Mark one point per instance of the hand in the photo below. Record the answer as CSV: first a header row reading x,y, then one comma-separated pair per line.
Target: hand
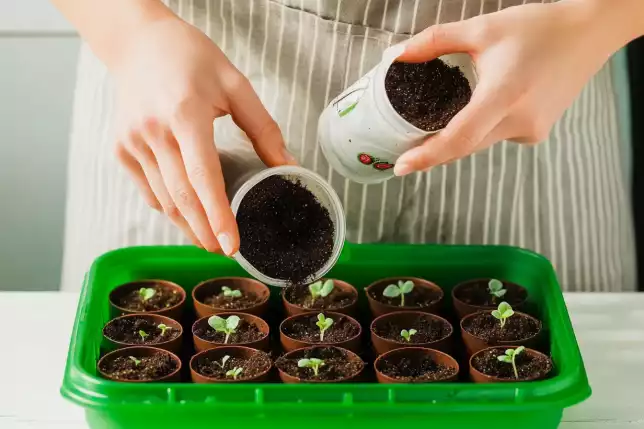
x,y
532,61
172,83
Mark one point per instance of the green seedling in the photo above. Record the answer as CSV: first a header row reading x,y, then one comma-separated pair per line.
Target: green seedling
x,y
495,287
510,357
393,291
136,361
146,293
312,363
323,323
143,334
223,362
231,293
163,328
408,334
227,326
234,372
503,313
321,290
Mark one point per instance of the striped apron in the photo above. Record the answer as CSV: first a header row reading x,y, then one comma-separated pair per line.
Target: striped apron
x,y
565,198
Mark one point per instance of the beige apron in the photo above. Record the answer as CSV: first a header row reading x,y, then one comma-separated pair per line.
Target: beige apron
x,y
565,198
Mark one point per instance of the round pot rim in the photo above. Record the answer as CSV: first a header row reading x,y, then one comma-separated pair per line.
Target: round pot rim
x,y
353,302
483,307
331,313
500,343
309,381
236,278
220,349
423,282
173,285
119,351
424,350
493,377
417,313
147,314
230,313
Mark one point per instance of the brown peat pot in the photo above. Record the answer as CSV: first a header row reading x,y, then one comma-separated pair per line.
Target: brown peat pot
x,y
406,320
350,308
173,345
202,344
411,356
239,352
480,377
246,286
378,308
339,355
289,343
516,296
174,311
475,344
139,352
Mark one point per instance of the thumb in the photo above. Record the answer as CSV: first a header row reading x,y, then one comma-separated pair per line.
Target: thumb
x,y
437,40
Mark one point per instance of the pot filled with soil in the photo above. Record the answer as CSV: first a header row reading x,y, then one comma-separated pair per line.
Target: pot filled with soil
x,y
327,294
508,364
228,294
326,328
486,294
403,293
144,330
501,327
140,364
230,364
226,329
415,365
291,226
411,329
149,296
319,364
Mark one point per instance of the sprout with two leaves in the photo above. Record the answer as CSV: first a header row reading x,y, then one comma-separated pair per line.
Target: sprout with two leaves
x,y
234,372
145,293
227,326
321,289
495,287
323,323
136,361
223,362
407,334
230,293
143,334
510,357
400,290
313,363
163,328
503,313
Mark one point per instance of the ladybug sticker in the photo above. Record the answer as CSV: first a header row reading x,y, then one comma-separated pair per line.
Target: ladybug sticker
x,y
376,163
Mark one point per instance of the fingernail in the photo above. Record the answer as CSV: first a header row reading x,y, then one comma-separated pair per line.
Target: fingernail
x,y
224,242
402,169
290,159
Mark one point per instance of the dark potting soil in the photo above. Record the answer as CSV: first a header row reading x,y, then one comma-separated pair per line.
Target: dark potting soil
x,y
418,297
410,370
252,366
300,295
247,300
126,330
428,330
477,293
427,95
245,333
488,328
163,298
336,364
527,366
303,328
149,368
284,230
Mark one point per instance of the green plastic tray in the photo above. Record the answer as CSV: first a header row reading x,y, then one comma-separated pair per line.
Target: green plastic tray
x,y
537,405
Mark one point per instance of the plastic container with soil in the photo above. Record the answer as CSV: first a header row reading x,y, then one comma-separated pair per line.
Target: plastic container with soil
x,y
531,365
140,364
148,296
474,295
415,365
421,330
221,365
425,296
302,330
458,405
325,364
252,332
342,299
144,330
243,294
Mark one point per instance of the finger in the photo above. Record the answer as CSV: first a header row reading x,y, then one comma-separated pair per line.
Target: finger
x,y
437,40
196,143
251,116
134,170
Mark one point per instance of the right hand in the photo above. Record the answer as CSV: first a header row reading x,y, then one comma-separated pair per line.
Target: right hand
x,y
172,83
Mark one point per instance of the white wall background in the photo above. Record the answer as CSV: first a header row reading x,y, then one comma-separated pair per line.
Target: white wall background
x,y
38,51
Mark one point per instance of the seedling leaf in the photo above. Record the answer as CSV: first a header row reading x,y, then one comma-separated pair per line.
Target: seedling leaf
x,y
503,313
391,291
231,293
495,287
163,328
510,357
136,361
234,372
407,334
227,326
403,287
406,287
323,323
143,334
312,363
146,293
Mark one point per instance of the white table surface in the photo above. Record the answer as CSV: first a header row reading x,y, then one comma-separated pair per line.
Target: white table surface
x,y
609,327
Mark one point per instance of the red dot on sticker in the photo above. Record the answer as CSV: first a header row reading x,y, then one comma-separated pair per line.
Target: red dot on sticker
x,y
383,165
365,159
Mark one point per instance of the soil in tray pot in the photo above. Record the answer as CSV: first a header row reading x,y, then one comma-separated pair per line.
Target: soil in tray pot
x,y
340,298
338,365
245,301
246,332
285,232
486,327
128,330
161,299
531,365
427,95
429,329
344,331
253,366
416,365
133,367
